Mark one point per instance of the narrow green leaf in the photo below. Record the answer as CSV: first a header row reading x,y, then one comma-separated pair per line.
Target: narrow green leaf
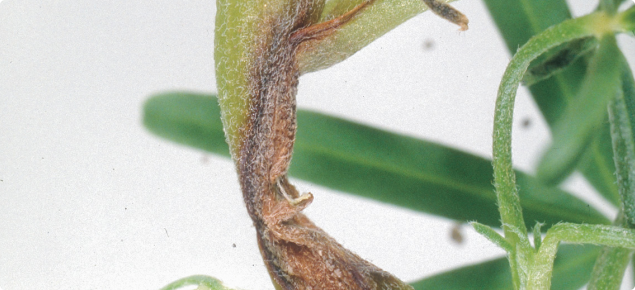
x,y
528,18
627,20
554,94
573,266
491,275
609,269
492,236
596,164
571,271
187,118
415,174
372,163
610,6
622,118
583,118
203,283
537,235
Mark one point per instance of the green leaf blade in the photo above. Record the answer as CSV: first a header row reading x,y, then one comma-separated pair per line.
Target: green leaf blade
x,y
375,164
583,118
609,269
528,18
571,271
416,174
622,117
186,118
611,264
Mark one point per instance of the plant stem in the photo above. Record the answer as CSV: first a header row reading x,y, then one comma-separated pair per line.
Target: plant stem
x,y
610,266
540,272
504,177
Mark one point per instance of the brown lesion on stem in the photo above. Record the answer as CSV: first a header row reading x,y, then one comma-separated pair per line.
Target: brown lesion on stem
x,y
321,30
298,254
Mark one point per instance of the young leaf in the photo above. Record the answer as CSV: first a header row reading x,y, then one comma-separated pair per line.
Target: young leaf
x,y
622,117
372,163
537,235
492,236
583,118
571,271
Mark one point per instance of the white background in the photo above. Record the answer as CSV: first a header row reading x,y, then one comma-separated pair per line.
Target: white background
x,y
90,200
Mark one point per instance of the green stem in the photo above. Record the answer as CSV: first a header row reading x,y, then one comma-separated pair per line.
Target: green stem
x,y
539,274
609,269
504,178
610,265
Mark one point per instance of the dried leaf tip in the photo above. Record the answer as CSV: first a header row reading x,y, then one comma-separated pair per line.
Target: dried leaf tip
x,y
448,13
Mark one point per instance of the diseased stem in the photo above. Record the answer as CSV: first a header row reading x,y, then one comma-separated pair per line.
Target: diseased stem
x,y
297,253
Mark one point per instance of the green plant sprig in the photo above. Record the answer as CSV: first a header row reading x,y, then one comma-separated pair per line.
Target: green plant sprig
x,y
531,269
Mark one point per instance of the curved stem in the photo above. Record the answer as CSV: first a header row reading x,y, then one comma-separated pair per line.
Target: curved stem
x,y
504,177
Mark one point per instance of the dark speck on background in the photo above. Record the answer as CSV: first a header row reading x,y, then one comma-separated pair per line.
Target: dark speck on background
x,y
428,44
